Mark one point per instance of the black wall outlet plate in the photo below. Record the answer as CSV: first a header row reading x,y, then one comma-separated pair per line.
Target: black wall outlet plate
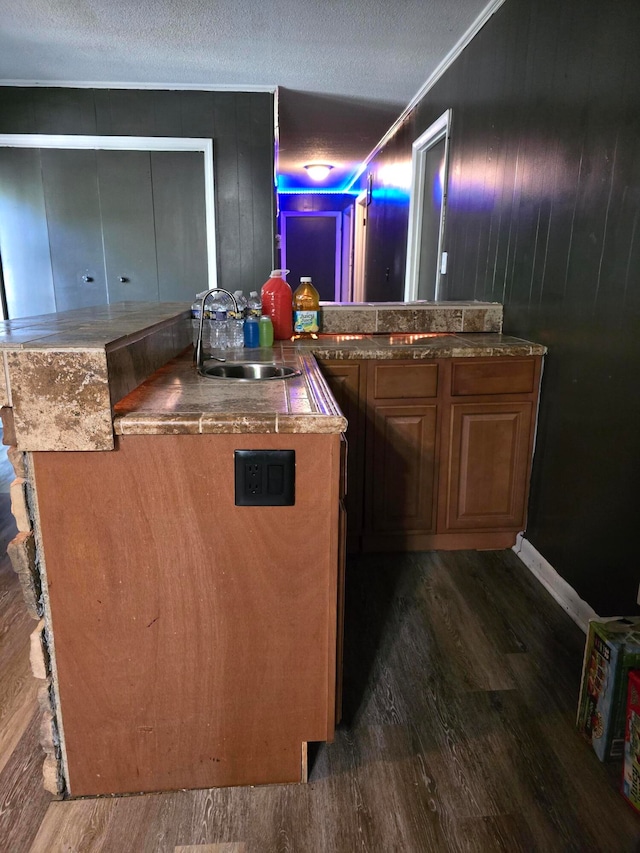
x,y
265,477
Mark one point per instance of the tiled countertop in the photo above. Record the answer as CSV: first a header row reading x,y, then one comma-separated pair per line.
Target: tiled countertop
x,y
425,345
176,400
73,379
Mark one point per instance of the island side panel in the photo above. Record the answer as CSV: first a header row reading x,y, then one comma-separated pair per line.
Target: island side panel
x,y
195,640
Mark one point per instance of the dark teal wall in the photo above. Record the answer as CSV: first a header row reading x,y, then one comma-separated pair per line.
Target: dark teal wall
x,y
544,216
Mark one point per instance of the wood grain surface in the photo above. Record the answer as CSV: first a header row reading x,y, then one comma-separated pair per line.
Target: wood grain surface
x,y
461,678
461,681
195,640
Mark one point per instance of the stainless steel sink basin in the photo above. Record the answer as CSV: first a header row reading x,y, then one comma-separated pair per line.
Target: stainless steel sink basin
x,y
249,372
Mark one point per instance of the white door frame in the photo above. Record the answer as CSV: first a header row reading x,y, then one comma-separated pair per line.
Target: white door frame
x,y
359,246
137,143
440,129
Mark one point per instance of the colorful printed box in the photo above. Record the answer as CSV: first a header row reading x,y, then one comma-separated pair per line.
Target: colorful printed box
x,y
611,651
631,767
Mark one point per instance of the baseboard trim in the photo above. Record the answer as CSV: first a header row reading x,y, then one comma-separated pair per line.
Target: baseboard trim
x,y
562,592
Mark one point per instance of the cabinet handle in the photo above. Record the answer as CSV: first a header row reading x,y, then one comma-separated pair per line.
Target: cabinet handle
x,y
87,278
122,279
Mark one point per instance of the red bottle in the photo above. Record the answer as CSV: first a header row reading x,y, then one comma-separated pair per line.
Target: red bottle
x,y
277,303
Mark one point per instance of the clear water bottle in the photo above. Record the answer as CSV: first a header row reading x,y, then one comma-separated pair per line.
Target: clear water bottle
x,y
254,305
235,330
242,303
219,328
196,313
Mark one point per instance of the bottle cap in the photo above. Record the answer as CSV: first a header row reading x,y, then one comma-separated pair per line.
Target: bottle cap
x,y
265,318
305,278
279,273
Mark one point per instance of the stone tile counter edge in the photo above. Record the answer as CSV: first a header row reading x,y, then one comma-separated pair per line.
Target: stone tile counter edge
x,y
63,374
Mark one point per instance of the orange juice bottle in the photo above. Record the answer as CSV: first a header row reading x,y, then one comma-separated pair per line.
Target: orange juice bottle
x,y
306,310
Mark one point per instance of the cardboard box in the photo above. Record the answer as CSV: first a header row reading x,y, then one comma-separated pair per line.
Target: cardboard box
x,y
612,649
631,766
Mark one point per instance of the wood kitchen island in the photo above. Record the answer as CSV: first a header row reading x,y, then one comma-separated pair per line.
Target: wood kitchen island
x,y
188,641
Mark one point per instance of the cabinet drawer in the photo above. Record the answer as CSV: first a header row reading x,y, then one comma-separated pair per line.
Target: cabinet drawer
x,y
404,381
493,376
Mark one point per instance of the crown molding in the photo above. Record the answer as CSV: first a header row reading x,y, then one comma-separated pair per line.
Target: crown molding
x,y
444,65
171,87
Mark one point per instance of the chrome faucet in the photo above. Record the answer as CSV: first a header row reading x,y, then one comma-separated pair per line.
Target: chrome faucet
x,y
198,353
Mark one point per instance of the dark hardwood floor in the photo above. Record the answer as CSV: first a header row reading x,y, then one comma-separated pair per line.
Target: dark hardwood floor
x,y
461,678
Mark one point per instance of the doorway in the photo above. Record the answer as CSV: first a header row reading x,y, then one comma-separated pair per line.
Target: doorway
x,y
426,258
312,245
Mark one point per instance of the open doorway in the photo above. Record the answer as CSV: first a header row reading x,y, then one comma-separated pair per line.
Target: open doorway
x,y
312,245
426,258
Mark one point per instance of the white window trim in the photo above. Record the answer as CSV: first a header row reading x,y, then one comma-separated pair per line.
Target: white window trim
x,y
438,130
137,143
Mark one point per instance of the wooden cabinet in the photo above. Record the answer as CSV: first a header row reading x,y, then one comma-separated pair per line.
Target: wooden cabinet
x,y
401,451
447,450
486,481
347,381
197,642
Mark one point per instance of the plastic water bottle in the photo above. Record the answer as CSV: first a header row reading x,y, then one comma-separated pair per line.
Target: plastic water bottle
x,y
196,313
251,332
242,303
254,305
219,329
235,331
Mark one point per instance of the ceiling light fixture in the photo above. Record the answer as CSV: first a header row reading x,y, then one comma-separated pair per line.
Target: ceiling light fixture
x,y
318,171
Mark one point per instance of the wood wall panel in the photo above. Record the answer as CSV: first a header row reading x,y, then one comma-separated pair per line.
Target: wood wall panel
x,y
195,640
543,216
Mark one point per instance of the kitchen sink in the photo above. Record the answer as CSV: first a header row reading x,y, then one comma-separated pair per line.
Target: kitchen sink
x,y
249,372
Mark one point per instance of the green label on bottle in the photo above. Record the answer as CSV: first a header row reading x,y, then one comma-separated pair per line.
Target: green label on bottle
x,y
305,321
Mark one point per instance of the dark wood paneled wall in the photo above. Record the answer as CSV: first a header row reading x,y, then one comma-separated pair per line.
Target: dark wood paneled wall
x,y
240,124
544,211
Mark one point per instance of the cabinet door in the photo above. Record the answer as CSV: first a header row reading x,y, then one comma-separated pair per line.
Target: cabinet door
x,y
488,467
402,468
346,381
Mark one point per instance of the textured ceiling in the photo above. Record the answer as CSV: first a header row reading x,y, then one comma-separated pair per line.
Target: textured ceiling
x,y
360,59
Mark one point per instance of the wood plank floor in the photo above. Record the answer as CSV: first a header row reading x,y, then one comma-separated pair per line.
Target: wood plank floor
x,y
460,692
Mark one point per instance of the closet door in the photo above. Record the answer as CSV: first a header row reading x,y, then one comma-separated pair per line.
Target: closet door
x,y
126,207
24,241
85,227
70,182
180,224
